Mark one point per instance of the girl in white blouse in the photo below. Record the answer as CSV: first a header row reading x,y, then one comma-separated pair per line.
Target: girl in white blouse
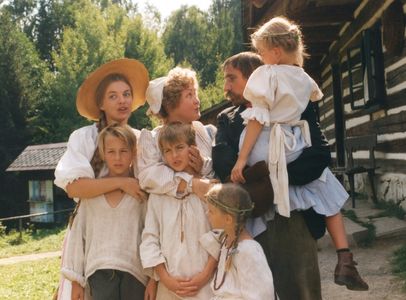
x,y
103,249
108,95
173,227
243,272
279,92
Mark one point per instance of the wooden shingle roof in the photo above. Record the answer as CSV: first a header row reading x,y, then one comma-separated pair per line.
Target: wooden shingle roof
x,y
38,157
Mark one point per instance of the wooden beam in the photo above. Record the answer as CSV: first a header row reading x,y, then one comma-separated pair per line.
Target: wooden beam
x,y
367,17
327,33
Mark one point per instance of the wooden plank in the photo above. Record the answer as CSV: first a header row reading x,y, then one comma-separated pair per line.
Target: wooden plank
x,y
326,107
320,34
390,166
395,146
396,76
367,17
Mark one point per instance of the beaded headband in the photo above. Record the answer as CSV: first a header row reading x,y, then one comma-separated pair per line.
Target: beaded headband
x,y
228,208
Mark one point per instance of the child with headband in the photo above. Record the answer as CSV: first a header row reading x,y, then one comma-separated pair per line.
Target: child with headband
x,y
279,92
243,272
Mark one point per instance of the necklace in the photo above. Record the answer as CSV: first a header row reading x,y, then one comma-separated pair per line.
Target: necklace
x,y
226,265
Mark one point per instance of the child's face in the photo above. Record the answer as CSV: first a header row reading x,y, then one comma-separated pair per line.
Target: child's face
x,y
216,217
118,156
176,155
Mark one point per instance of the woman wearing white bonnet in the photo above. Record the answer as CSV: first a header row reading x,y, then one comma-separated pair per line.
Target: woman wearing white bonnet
x,y
174,99
172,203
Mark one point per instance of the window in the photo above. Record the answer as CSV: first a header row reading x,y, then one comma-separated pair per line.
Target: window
x,y
366,71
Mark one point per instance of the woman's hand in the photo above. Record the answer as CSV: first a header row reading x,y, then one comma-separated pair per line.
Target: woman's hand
x,y
236,172
150,290
132,187
195,160
78,291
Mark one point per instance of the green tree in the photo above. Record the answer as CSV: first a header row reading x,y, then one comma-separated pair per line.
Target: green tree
x,y
21,87
187,38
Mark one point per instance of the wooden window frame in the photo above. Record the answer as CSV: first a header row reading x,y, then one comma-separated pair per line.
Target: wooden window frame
x,y
372,69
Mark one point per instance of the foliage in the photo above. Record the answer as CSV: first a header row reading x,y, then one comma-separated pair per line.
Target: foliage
x,y
34,280
399,263
21,88
42,240
390,209
212,93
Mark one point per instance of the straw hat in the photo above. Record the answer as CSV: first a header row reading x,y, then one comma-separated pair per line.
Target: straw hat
x,y
132,69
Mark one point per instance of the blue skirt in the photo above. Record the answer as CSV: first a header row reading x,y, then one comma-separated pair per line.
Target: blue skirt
x,y
325,195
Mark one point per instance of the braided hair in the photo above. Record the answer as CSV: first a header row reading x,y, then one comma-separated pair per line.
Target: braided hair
x,y
96,162
231,199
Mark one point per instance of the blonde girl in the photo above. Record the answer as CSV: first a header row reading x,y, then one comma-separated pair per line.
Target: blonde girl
x,y
279,92
106,232
243,272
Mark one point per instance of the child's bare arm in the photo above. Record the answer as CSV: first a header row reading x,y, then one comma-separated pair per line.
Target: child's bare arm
x,y
78,291
253,130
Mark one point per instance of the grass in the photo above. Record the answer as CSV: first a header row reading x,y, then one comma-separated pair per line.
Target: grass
x,y
370,238
390,209
399,263
35,280
40,240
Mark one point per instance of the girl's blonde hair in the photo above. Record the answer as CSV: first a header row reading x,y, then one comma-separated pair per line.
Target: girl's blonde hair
x,y
176,132
177,81
96,162
123,132
232,199
281,32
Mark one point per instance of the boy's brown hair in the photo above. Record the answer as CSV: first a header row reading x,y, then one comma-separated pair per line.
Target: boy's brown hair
x,y
176,132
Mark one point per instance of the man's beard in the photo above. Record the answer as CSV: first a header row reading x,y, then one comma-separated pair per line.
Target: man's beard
x,y
234,98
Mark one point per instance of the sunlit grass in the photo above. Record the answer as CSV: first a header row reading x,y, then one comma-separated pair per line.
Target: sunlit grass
x,y
42,240
35,280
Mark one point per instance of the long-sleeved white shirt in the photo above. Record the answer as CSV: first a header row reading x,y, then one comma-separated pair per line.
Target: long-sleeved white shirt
x,y
103,237
154,175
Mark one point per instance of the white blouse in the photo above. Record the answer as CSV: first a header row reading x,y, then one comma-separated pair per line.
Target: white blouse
x,y
103,237
75,162
279,94
249,276
171,236
155,176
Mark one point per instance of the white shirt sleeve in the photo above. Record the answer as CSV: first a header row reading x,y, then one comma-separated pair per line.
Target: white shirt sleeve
x,y
260,92
74,266
154,176
150,247
75,162
255,277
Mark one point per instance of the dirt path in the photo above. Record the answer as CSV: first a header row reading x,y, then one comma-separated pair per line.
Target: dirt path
x,y
373,265
29,257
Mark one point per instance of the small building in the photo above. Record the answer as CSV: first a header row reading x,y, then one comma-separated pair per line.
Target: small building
x,y
358,58
36,165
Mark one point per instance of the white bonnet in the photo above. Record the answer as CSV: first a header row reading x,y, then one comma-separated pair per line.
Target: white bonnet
x,y
154,94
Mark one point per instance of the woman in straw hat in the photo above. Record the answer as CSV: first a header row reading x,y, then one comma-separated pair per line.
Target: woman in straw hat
x,y
174,99
108,95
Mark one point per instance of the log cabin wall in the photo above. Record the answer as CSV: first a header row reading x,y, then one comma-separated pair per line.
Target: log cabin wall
x,y
330,36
